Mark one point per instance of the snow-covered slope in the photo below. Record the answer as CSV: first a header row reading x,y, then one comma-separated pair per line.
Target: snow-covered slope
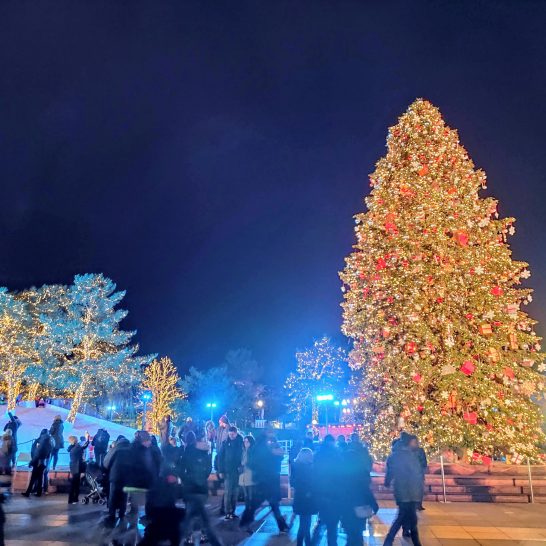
x,y
35,419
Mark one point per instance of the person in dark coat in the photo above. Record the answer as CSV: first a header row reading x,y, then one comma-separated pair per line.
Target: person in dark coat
x,y
172,453
266,468
305,504
76,452
56,432
328,464
422,458
359,447
357,500
404,469
13,424
309,441
40,453
139,469
100,444
157,457
228,465
113,462
194,469
342,443
162,514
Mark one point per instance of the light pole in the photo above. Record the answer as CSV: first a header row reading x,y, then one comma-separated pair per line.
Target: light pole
x,y
325,398
146,397
211,406
261,406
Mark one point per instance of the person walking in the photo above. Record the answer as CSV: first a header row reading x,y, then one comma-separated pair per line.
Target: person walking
x,y
404,469
56,432
229,468
366,463
328,464
221,436
357,500
210,434
246,479
140,473
6,452
40,453
13,424
342,443
75,451
266,467
100,445
422,458
194,469
305,506
113,464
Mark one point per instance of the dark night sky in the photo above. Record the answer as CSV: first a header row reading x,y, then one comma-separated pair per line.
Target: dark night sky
x,y
209,156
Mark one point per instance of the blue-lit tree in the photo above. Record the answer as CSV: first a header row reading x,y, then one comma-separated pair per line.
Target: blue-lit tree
x,y
86,331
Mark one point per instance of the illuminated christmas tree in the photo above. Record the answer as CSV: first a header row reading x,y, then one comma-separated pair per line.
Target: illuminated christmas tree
x,y
85,330
432,300
17,350
320,370
161,379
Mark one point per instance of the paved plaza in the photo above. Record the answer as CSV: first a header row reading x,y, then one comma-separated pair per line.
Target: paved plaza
x,y
50,522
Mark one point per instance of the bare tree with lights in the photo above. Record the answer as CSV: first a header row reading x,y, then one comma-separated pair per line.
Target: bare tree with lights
x,y
433,302
17,350
319,369
161,379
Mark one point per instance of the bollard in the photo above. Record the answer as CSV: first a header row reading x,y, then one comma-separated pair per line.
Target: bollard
x,y
443,477
530,480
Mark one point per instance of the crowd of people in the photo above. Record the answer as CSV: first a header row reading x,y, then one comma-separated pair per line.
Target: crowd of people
x,y
330,478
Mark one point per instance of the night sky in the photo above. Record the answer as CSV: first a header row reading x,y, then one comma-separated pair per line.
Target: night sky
x,y
209,156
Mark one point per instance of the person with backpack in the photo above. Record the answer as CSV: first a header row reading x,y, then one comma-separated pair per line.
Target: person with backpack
x,y
76,451
13,424
194,469
56,433
40,453
100,445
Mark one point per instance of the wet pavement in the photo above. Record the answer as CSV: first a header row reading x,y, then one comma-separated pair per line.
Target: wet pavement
x,y
49,521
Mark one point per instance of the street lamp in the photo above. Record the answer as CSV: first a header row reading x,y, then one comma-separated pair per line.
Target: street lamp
x,y
211,406
111,408
261,407
325,398
146,397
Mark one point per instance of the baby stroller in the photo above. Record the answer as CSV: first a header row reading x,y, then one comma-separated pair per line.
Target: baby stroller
x,y
95,478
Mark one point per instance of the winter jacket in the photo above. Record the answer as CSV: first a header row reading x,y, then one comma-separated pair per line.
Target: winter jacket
x,y
302,480
100,441
13,424
171,455
76,452
266,467
327,463
112,461
246,479
230,456
56,432
194,468
404,469
362,451
422,458
355,480
41,449
137,467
